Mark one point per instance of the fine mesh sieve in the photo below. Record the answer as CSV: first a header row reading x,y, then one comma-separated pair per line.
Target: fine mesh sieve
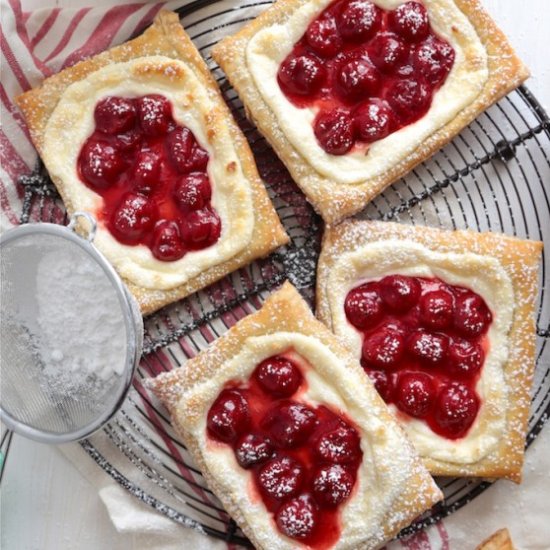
x,y
71,334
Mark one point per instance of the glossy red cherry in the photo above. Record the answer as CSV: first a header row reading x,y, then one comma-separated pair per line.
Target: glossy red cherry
x,y
332,485
144,174
373,121
415,393
399,292
192,192
363,306
472,316
410,20
358,79
437,309
114,115
434,59
133,218
340,445
128,141
278,376
384,347
155,114
359,20
288,423
301,75
281,477
465,358
408,98
334,131
179,145
388,52
253,449
382,382
198,159
167,245
228,417
456,409
297,518
100,164
323,36
200,228
428,347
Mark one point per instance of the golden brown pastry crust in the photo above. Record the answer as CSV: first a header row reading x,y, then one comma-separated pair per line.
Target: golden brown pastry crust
x,y
337,201
283,311
164,37
520,259
497,541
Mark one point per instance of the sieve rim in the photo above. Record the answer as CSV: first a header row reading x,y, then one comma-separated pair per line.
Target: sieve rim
x,y
133,323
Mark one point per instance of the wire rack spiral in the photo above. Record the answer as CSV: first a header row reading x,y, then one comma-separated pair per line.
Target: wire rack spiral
x,y
490,177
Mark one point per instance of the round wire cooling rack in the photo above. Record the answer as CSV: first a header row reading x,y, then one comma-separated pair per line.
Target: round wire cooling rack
x,y
491,177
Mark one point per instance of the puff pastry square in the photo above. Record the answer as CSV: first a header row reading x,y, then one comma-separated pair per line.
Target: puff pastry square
x,y
459,355
391,486
497,541
164,96
341,152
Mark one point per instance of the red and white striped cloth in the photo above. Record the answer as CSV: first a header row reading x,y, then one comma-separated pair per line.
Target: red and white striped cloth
x,y
39,43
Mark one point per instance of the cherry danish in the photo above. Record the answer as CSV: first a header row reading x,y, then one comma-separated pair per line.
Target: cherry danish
x,y
303,459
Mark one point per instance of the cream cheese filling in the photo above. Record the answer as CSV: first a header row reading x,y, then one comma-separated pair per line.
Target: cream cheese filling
x,y
72,122
385,466
269,47
482,274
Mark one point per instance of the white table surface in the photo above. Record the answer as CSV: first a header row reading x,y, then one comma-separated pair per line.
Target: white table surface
x,y
45,503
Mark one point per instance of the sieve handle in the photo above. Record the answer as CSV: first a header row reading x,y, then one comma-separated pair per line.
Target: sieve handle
x,y
89,218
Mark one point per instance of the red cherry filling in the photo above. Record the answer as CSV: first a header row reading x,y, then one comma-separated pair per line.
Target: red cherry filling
x,y
429,348
289,424
363,306
155,114
408,98
359,20
302,75
358,79
114,115
167,245
415,393
229,416
436,309
399,293
388,52
356,53
410,20
281,477
373,121
334,131
99,164
424,344
384,347
278,376
465,357
151,175
302,460
133,218
323,37
253,449
457,407
341,445
332,485
471,315
298,517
